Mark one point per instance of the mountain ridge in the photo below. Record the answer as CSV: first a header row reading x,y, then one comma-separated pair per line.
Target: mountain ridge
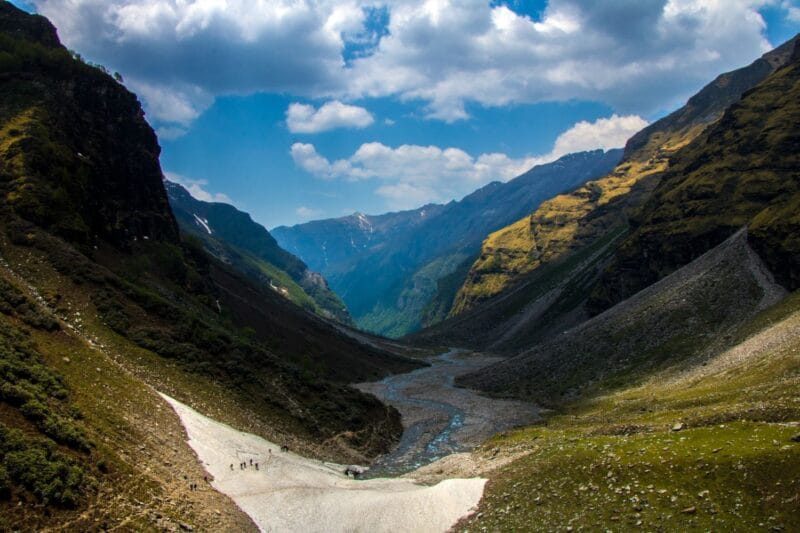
x,y
234,238
424,245
569,222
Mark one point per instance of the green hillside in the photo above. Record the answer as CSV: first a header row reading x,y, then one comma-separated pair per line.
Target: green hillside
x,y
103,304
249,248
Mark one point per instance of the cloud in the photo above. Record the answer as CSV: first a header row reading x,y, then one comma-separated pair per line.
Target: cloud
x,y
792,11
179,49
308,213
197,189
177,105
420,174
636,56
605,133
301,118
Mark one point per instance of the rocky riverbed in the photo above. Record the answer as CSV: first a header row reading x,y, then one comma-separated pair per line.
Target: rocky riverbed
x,y
439,418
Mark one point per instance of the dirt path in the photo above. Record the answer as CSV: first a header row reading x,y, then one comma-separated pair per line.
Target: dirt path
x,y
288,492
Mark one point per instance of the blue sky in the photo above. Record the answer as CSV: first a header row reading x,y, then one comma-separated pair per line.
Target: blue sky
x,y
297,110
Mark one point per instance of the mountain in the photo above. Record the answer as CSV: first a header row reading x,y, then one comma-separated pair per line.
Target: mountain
x,y
387,268
102,304
713,248
740,172
572,221
235,239
533,279
687,371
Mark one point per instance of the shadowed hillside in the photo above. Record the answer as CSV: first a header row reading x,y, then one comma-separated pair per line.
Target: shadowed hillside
x,y
235,239
103,303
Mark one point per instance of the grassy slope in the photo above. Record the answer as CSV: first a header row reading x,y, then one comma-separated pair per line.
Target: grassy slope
x,y
574,220
133,469
613,462
741,169
543,303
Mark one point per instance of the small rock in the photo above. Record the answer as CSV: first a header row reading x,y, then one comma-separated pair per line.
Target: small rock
x,y
186,527
702,494
689,510
796,438
66,359
678,426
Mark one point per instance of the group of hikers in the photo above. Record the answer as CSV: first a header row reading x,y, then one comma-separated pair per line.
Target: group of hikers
x,y
193,486
243,465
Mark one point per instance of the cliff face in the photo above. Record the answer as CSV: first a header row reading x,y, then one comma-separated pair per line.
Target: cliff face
x,y
743,171
570,222
77,156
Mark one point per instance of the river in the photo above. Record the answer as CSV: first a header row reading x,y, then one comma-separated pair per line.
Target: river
x,y
439,418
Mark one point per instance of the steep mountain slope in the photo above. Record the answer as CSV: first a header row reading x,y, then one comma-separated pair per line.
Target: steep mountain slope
x,y
232,237
686,314
570,222
743,171
386,268
542,303
102,303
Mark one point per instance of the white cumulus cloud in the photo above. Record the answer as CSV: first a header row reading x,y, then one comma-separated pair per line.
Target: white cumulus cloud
x,y
636,56
308,213
302,118
605,133
416,175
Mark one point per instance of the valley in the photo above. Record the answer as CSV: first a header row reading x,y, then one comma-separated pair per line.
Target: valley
x,y
591,339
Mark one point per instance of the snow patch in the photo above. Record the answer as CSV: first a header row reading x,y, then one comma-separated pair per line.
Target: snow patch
x,y
289,492
203,223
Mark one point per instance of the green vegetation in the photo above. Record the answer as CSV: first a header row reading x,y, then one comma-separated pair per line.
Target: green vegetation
x,y
48,460
739,172
737,476
615,460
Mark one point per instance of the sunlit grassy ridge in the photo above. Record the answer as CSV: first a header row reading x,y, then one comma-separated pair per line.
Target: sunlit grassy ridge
x,y
571,221
740,171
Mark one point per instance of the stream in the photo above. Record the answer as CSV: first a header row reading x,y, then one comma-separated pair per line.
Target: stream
x,y
439,418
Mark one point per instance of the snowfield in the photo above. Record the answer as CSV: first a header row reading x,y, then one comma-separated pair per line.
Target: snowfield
x,y
292,493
